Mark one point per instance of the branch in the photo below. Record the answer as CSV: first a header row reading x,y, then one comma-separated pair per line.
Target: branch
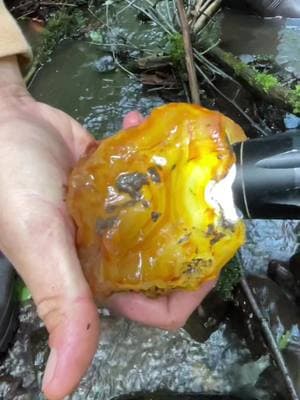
x,y
189,56
270,339
245,115
207,11
56,4
276,93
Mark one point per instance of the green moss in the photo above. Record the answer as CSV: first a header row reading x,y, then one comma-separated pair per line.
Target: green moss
x,y
61,25
295,99
175,49
266,81
229,278
238,66
283,341
264,58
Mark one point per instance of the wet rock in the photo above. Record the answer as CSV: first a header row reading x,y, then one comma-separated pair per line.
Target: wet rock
x,y
280,273
105,64
21,370
10,387
294,267
246,325
291,121
267,240
208,317
287,276
39,348
281,312
132,357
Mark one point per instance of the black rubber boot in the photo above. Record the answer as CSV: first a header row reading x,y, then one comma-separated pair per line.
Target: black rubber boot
x,y
276,8
8,304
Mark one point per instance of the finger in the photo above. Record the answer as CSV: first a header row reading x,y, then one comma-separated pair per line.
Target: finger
x,y
167,312
73,342
47,261
132,119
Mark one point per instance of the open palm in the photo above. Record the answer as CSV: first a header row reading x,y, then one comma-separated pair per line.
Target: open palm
x,y
38,147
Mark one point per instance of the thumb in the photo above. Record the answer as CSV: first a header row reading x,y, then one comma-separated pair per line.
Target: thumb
x,y
47,261
73,342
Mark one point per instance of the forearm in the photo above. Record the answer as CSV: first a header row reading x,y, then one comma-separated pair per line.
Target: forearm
x,y
10,74
13,90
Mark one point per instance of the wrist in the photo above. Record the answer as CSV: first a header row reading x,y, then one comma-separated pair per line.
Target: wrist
x,y
11,80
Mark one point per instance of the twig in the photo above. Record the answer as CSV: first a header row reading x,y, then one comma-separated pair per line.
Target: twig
x,y
186,90
59,4
198,7
125,8
31,73
176,13
169,11
270,339
210,47
25,14
213,67
206,14
254,124
277,94
189,56
112,49
22,5
188,9
196,12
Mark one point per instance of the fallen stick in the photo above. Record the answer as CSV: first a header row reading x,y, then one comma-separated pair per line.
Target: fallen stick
x,y
270,339
206,12
189,56
275,93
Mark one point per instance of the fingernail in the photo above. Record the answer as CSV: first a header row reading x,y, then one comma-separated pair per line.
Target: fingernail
x,y
50,368
132,119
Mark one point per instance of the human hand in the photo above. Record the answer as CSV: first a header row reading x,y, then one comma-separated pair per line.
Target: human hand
x,y
38,147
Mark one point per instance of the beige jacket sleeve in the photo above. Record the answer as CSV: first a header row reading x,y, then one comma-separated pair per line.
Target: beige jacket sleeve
x,y
12,41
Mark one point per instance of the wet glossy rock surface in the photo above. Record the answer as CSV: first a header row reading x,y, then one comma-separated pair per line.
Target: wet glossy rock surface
x,y
140,203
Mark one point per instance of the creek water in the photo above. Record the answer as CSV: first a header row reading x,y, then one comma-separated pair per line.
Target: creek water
x,y
249,35
84,81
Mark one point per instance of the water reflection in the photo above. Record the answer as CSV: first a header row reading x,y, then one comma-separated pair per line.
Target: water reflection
x,y
275,37
98,99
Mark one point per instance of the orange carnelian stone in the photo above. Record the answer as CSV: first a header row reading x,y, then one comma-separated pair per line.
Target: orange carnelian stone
x,y
139,203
